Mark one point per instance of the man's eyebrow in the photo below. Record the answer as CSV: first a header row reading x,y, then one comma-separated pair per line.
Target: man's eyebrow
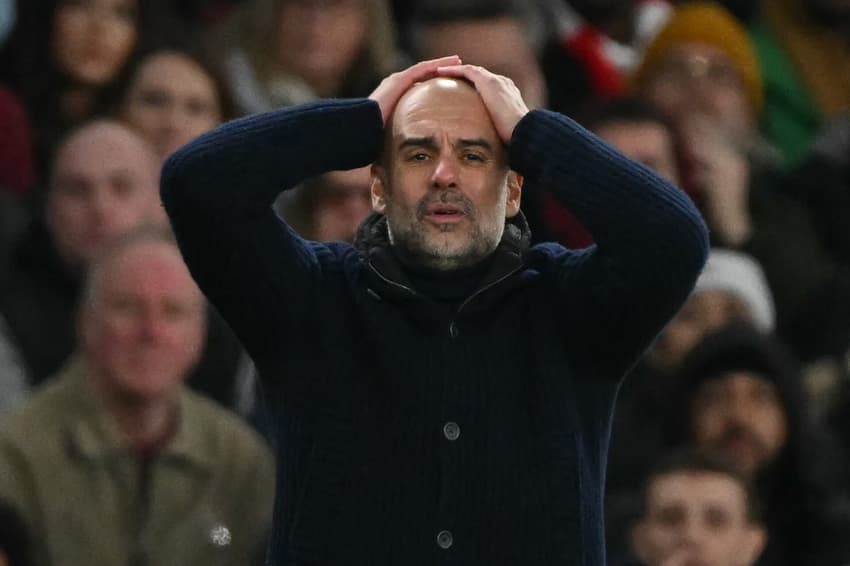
x,y
426,141
475,142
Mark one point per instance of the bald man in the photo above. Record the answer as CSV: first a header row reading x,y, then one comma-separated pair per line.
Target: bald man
x,y
440,390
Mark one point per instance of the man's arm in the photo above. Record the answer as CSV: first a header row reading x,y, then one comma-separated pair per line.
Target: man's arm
x,y
219,189
651,242
218,192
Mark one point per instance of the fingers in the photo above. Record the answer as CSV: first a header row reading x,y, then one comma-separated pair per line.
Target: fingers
x,y
394,86
500,95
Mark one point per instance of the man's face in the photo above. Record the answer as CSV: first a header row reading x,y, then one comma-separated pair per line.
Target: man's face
x,y
697,519
93,39
171,100
142,328
344,203
700,80
104,183
649,143
704,311
446,188
741,415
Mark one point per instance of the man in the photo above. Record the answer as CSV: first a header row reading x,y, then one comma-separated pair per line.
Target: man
x,y
104,182
441,391
741,395
114,462
698,510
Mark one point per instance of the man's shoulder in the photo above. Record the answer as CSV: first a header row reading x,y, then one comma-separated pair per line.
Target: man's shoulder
x,y
45,413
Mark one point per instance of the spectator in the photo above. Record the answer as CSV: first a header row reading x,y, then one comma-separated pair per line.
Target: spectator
x,y
173,96
104,183
331,207
79,49
702,70
150,473
283,52
805,60
636,129
698,509
595,46
489,33
740,394
731,288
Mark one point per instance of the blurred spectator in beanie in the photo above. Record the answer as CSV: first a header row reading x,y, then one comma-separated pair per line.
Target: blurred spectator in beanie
x,y
150,473
104,182
702,70
331,207
740,394
731,288
804,52
283,52
79,49
172,96
698,509
490,33
595,46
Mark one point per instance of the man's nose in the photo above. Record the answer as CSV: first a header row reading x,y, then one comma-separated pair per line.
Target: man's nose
x,y
445,173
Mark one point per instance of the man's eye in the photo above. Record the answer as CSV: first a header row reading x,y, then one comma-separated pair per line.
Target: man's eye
x,y
420,156
473,157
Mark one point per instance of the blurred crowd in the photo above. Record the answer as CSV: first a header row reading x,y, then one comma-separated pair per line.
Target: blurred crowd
x,y
132,428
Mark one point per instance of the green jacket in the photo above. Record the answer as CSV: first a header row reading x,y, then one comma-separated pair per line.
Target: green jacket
x,y
207,500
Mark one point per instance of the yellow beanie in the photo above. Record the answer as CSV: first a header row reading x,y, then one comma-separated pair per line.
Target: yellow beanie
x,y
712,24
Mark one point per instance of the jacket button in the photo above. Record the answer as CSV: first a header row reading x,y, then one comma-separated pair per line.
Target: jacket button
x,y
444,539
453,331
451,430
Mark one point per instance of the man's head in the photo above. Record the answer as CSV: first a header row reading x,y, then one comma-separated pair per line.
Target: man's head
x,y
698,511
732,287
173,96
141,323
639,131
703,63
443,180
488,33
742,398
104,182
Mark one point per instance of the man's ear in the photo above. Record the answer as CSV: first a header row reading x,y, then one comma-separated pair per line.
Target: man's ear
x,y
377,188
754,543
514,183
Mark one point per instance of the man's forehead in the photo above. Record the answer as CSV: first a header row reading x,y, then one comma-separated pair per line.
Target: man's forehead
x,y
440,100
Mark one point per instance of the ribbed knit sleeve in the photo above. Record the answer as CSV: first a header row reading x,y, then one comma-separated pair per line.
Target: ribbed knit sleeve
x,y
651,242
218,192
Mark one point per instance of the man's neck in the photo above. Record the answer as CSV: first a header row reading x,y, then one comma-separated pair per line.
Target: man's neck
x,y
144,425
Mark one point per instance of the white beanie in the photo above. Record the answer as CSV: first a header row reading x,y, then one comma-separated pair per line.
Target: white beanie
x,y
739,274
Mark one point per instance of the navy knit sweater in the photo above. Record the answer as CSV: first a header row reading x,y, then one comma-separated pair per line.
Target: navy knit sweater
x,y
408,432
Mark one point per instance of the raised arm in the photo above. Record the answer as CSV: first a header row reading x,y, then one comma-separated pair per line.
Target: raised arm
x,y
651,242
219,189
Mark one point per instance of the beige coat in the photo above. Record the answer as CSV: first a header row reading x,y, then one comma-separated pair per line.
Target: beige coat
x,y
79,490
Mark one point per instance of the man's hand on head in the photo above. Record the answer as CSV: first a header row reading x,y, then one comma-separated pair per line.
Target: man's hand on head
x,y
395,85
500,95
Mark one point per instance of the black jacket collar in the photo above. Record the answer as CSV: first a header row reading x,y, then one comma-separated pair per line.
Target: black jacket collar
x,y
389,280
